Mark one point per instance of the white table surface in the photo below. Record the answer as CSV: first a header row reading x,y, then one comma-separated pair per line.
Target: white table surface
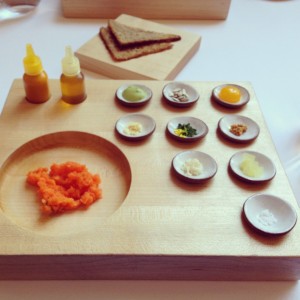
x,y
259,42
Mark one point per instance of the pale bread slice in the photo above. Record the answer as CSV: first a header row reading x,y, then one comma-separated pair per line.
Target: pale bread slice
x,y
127,35
121,53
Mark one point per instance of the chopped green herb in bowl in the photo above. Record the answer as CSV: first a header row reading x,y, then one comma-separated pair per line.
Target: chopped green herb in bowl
x,y
185,130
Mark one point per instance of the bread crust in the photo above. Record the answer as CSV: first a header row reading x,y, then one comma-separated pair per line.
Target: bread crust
x,y
127,35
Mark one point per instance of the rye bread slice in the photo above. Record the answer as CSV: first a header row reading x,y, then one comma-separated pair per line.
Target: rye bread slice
x,y
127,35
120,53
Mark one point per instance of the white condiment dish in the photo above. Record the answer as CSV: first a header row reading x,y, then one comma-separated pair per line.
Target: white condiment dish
x,y
120,97
269,214
245,96
147,126
197,124
208,169
251,133
269,170
191,92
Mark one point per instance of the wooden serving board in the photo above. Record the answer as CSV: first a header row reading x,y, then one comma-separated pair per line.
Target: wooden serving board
x,y
155,9
149,224
165,65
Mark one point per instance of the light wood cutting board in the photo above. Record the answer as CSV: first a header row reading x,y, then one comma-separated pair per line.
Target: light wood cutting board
x,y
165,65
155,9
149,224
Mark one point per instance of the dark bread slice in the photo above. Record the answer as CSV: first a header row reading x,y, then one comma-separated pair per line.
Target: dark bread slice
x,y
127,35
125,53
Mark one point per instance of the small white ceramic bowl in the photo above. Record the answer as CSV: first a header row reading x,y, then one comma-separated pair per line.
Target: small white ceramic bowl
x,y
269,214
269,170
197,124
191,92
245,96
146,123
120,90
208,170
251,133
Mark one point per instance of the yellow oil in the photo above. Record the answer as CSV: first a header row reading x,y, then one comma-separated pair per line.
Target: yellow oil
x,y
73,88
36,87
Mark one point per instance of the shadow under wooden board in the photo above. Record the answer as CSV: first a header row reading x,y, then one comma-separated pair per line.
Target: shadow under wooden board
x,y
165,65
149,224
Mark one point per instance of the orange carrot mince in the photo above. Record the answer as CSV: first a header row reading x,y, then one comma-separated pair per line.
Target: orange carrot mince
x,y
65,187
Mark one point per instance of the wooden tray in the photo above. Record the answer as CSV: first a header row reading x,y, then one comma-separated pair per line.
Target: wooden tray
x,y
149,224
165,65
155,9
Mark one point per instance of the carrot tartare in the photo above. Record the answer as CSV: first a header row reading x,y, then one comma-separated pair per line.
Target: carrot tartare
x,y
65,187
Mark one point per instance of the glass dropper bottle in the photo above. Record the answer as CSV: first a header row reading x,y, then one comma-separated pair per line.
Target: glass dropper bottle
x,y
35,79
72,79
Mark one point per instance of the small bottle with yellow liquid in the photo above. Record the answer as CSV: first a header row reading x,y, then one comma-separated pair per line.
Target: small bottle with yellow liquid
x,y
35,79
72,79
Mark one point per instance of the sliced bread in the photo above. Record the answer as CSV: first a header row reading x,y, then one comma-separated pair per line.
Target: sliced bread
x,y
120,53
127,35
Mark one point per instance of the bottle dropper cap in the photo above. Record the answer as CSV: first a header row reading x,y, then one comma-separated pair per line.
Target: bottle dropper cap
x,y
70,63
32,63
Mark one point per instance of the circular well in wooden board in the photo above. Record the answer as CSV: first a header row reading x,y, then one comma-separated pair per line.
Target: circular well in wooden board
x,y
19,202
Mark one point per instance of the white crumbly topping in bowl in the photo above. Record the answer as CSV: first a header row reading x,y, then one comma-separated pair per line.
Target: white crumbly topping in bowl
x,y
266,218
192,167
133,129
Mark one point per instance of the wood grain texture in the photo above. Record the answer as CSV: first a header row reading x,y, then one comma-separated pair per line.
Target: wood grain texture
x,y
155,9
165,65
161,228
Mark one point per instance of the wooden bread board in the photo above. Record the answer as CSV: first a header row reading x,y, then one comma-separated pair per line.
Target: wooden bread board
x,y
149,224
155,9
165,65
